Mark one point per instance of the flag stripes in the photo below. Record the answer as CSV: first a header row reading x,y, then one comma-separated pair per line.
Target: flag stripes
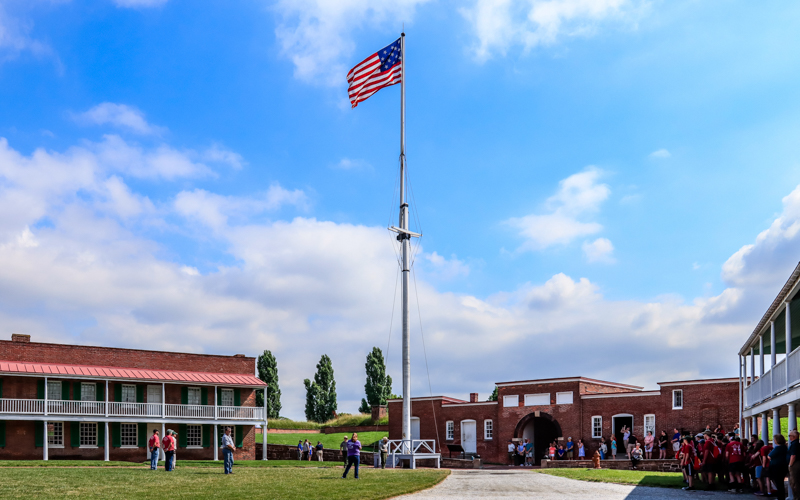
x,y
382,69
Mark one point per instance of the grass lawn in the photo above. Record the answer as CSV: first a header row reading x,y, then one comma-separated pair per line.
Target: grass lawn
x,y
179,464
207,482
329,441
631,477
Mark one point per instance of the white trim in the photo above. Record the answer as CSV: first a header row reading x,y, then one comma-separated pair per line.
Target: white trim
x,y
434,398
88,447
482,403
673,399
129,447
509,396
564,393
447,431
491,424
601,426
574,379
701,382
65,376
126,419
193,448
525,399
51,446
621,395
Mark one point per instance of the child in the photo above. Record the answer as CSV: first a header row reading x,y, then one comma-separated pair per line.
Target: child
x,y
552,451
613,447
561,452
603,448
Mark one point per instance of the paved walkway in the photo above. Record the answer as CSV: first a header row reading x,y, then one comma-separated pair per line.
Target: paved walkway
x,y
505,484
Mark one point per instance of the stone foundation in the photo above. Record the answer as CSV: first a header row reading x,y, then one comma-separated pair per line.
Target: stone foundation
x,y
644,465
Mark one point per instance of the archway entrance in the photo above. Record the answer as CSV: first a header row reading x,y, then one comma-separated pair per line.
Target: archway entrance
x,y
542,429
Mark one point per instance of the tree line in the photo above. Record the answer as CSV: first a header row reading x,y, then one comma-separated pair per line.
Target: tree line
x,y
321,404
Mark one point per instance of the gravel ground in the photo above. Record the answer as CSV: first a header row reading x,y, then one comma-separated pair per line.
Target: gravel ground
x,y
505,484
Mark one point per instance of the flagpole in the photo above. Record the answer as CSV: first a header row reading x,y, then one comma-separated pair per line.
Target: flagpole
x,y
405,242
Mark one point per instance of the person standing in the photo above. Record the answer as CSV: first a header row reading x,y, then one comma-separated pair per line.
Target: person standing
x,y
570,447
709,460
168,445
687,462
299,449
581,450
154,445
228,448
676,441
613,447
626,436
603,448
735,458
794,464
353,455
631,443
319,448
528,453
512,450
779,464
343,449
663,439
384,451
648,445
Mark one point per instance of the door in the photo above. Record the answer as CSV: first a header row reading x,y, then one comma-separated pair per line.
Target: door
x,y
469,438
153,398
414,427
618,422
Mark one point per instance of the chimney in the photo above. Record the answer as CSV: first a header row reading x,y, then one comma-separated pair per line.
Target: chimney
x,y
473,397
19,337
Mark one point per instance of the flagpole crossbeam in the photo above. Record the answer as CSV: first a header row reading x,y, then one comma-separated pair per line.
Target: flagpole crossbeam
x,y
405,232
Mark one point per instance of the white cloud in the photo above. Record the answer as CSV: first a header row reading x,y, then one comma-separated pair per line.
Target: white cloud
x,y
15,39
599,250
317,35
352,164
135,4
119,115
579,197
660,153
441,268
500,25
217,153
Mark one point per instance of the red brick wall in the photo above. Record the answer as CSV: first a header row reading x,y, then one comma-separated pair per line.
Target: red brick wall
x,y
127,358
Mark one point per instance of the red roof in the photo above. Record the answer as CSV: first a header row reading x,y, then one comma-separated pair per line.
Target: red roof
x,y
130,373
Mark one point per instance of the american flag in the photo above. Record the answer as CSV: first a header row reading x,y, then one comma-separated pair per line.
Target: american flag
x,y
381,69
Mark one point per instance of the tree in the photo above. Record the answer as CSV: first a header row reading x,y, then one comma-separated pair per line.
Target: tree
x,y
493,397
321,393
268,373
379,385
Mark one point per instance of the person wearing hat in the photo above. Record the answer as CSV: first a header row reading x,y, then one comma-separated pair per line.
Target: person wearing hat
x,y
168,444
343,449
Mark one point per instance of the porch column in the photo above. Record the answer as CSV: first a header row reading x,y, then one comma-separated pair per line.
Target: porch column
x,y
264,429
761,354
744,432
106,452
163,403
45,398
161,453
106,398
741,394
216,405
215,445
788,342
773,356
754,427
764,428
46,437
752,366
792,417
776,421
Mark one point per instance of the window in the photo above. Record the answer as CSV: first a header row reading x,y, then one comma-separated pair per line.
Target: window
x,y
53,389
649,424
194,436
677,399
537,399
88,392
128,393
88,434
55,434
488,429
226,397
128,435
511,401
597,427
564,398
450,430
193,396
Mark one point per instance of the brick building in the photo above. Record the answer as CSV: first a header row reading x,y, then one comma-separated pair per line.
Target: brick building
x,y
550,410
80,402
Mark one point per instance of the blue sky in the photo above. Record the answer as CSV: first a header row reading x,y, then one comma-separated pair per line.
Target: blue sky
x,y
598,174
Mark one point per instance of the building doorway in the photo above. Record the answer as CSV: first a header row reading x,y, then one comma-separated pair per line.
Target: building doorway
x,y
415,428
617,423
542,429
469,436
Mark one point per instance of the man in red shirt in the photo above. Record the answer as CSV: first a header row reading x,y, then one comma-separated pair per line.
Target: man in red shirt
x,y
709,461
154,445
733,453
765,468
687,459
168,444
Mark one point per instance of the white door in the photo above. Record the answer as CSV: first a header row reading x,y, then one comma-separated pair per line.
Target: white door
x,y
414,427
153,398
469,439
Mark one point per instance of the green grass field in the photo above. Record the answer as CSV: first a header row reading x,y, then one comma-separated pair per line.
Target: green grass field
x,y
631,477
199,480
179,464
329,441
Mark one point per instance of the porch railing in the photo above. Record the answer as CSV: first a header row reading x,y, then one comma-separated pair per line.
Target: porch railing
x,y
117,409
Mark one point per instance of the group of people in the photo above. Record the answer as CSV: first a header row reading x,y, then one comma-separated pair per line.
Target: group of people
x,y
170,442
305,450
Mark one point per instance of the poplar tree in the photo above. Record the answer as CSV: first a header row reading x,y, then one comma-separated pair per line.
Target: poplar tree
x,y
379,385
321,393
493,397
268,373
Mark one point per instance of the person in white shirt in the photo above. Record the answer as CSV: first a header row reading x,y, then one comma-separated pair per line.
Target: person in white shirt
x,y
228,447
511,450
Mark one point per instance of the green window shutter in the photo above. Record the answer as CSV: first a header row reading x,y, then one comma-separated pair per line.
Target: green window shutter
x,y
182,435
100,392
101,434
40,389
142,436
38,434
140,394
2,433
116,435
203,395
76,390
206,436
1,388
117,392
75,434
184,395
239,435
237,397
219,396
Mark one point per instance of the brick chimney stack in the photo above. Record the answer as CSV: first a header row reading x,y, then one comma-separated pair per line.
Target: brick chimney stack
x,y
19,337
473,397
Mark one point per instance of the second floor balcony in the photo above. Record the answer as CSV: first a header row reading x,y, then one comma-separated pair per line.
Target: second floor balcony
x,y
9,406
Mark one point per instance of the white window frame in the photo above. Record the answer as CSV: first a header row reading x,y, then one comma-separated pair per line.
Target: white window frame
x,y
194,396
57,440
130,389
84,391
597,425
125,435
450,430
674,393
560,395
87,426
650,428
507,401
53,384
530,399
226,394
192,429
488,430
